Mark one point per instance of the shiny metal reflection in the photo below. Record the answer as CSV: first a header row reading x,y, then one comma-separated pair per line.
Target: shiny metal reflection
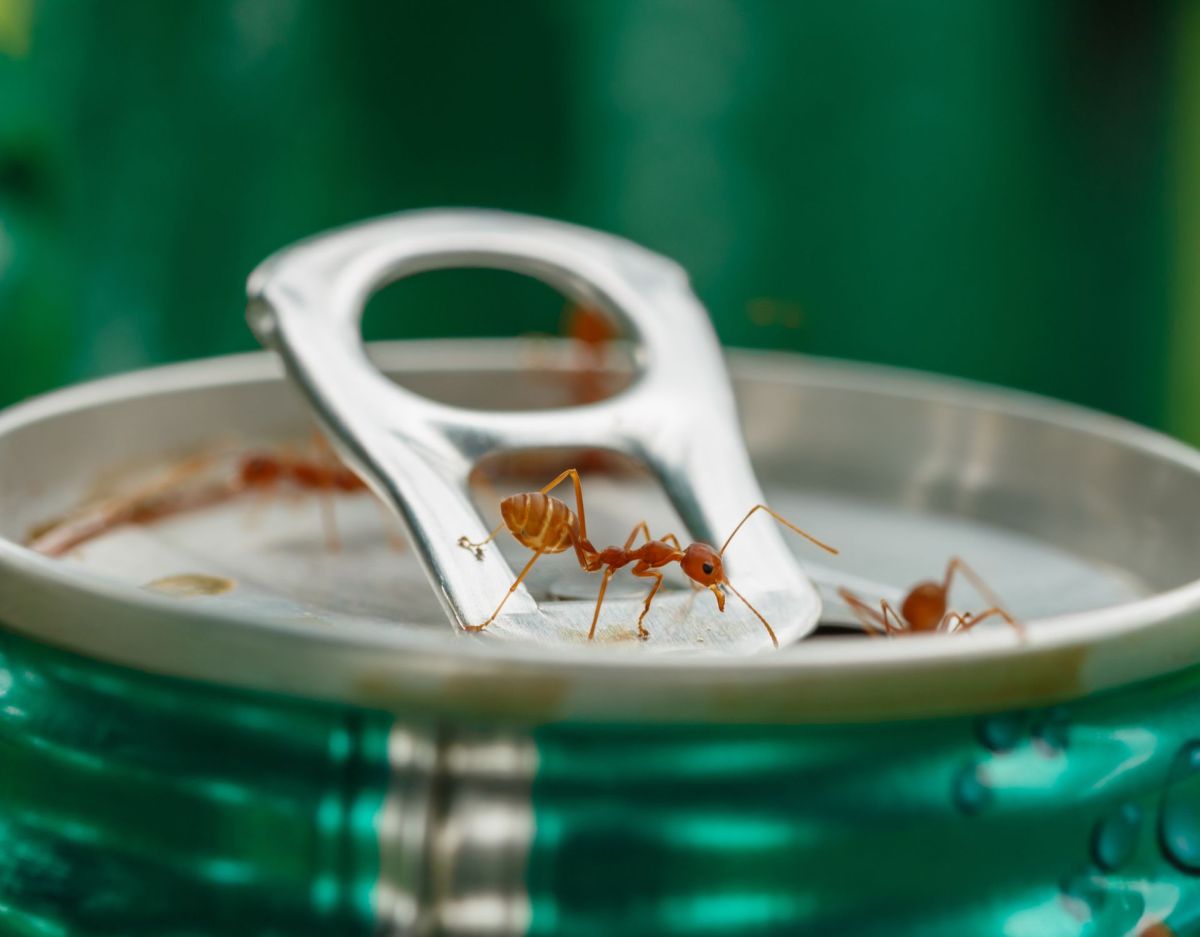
x,y
455,834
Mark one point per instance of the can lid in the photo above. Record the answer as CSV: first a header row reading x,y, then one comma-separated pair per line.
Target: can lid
x,y
1083,522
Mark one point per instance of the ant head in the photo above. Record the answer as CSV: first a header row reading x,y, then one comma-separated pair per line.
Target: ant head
x,y
702,564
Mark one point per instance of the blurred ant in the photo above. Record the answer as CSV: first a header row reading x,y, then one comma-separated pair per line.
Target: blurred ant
x,y
546,525
177,492
593,332
924,609
325,476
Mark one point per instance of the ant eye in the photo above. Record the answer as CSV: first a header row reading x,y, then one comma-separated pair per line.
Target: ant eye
x,y
708,568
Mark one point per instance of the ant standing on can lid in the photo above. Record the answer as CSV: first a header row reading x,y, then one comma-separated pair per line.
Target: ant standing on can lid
x,y
547,525
198,483
924,609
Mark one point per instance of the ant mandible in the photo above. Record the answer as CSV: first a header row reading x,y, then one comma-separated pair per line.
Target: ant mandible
x,y
924,609
547,525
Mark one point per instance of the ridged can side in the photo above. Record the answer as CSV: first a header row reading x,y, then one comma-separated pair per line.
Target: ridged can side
x,y
137,804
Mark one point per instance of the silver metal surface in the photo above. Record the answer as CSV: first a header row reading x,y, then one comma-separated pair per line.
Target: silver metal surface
x,y
1088,526
678,417
479,851
405,830
454,833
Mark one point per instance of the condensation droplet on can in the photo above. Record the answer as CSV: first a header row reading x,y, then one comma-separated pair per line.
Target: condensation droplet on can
x,y
1050,731
1001,732
1179,816
1083,898
1115,836
972,792
1107,907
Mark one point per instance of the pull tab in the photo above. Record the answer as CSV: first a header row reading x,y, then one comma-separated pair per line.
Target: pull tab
x,y
678,417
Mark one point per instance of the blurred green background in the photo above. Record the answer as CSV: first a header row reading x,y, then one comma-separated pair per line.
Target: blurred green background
x,y
1001,189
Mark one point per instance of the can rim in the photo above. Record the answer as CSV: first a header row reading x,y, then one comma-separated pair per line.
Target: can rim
x,y
834,681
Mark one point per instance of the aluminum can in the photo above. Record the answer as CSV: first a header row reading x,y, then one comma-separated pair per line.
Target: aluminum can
x,y
346,765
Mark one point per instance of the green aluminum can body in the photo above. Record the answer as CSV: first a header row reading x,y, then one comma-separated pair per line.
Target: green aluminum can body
x,y
136,804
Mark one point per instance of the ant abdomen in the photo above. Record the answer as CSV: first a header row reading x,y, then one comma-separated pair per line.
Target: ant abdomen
x,y
538,521
925,606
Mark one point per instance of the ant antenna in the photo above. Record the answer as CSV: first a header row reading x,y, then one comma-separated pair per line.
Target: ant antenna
x,y
758,614
786,523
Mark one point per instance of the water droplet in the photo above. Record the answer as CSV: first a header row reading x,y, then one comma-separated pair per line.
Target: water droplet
x,y
1179,817
1115,836
1002,732
972,792
1082,896
1105,907
1050,731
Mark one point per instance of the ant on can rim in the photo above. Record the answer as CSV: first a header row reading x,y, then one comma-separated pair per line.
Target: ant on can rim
x,y
925,608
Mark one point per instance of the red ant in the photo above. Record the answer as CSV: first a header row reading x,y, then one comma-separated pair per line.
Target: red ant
x,y
593,331
166,496
263,470
546,525
924,608
325,476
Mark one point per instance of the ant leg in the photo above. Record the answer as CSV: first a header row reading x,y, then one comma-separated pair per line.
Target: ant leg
x,y
173,491
395,536
958,563
954,622
870,619
608,574
644,572
329,521
573,474
326,455
967,622
645,529
511,589
783,520
640,525
264,497
888,610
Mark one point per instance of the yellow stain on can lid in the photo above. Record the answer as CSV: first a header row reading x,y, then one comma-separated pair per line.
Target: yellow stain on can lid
x,y
190,585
